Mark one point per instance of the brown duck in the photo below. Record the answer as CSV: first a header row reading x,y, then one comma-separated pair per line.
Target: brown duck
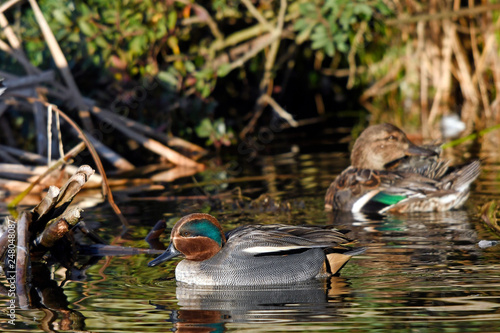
x,y
389,173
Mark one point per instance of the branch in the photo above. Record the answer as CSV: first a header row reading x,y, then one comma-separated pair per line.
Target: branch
x,y
210,21
8,4
150,144
71,154
279,110
352,53
62,64
257,15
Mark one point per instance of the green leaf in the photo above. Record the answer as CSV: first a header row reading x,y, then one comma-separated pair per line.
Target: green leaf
x,y
137,43
190,67
172,20
363,9
223,70
86,27
168,79
205,128
329,49
60,16
301,24
101,42
206,91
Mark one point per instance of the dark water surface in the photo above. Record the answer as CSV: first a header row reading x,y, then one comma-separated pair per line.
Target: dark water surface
x,y
420,272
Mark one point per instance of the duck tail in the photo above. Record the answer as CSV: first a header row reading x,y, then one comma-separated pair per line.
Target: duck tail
x,y
335,261
460,179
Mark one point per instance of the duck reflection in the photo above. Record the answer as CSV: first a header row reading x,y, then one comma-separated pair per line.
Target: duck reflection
x,y
207,309
420,240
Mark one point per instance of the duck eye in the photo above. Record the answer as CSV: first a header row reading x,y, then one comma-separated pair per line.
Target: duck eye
x,y
186,234
391,138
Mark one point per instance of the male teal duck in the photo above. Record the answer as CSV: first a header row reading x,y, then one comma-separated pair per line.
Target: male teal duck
x,y
388,173
252,254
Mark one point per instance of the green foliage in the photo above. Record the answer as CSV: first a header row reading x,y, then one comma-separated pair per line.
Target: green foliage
x,y
216,132
191,47
331,24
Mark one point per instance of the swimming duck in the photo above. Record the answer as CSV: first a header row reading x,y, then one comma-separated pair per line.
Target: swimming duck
x,y
389,173
251,254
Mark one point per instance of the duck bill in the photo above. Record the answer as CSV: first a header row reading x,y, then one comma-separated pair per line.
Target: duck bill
x,y
169,253
414,150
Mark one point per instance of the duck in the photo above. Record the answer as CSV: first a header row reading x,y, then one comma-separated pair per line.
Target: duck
x,y
390,174
250,255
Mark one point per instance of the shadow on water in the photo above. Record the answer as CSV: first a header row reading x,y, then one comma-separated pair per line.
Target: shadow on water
x,y
420,272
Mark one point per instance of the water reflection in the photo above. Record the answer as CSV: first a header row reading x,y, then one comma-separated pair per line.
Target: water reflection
x,y
420,272
422,240
205,309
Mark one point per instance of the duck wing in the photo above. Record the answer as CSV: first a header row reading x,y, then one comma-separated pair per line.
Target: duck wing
x,y
354,189
280,239
431,187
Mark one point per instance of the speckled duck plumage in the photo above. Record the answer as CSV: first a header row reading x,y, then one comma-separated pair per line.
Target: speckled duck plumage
x,y
388,173
252,254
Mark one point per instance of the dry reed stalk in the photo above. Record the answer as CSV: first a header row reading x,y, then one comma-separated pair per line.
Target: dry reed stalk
x,y
454,61
62,65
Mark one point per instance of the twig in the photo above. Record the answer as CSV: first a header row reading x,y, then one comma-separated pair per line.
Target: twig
x,y
147,130
15,54
24,155
30,80
9,33
8,4
237,38
57,228
257,15
62,64
71,154
468,88
7,158
271,56
206,15
107,153
258,110
351,57
113,250
443,88
105,184
266,40
478,74
279,110
151,144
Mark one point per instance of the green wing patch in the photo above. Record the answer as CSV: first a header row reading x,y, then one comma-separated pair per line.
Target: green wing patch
x,y
388,199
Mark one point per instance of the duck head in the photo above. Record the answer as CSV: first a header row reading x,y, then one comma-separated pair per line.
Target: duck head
x,y
381,147
196,237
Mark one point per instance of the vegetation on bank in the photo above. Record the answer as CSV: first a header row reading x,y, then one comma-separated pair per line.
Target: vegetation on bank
x,y
214,72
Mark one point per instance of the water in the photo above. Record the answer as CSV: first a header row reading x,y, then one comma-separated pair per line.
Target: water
x,y
420,272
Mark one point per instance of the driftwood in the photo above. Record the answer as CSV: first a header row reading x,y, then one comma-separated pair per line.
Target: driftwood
x,y
38,230
44,236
